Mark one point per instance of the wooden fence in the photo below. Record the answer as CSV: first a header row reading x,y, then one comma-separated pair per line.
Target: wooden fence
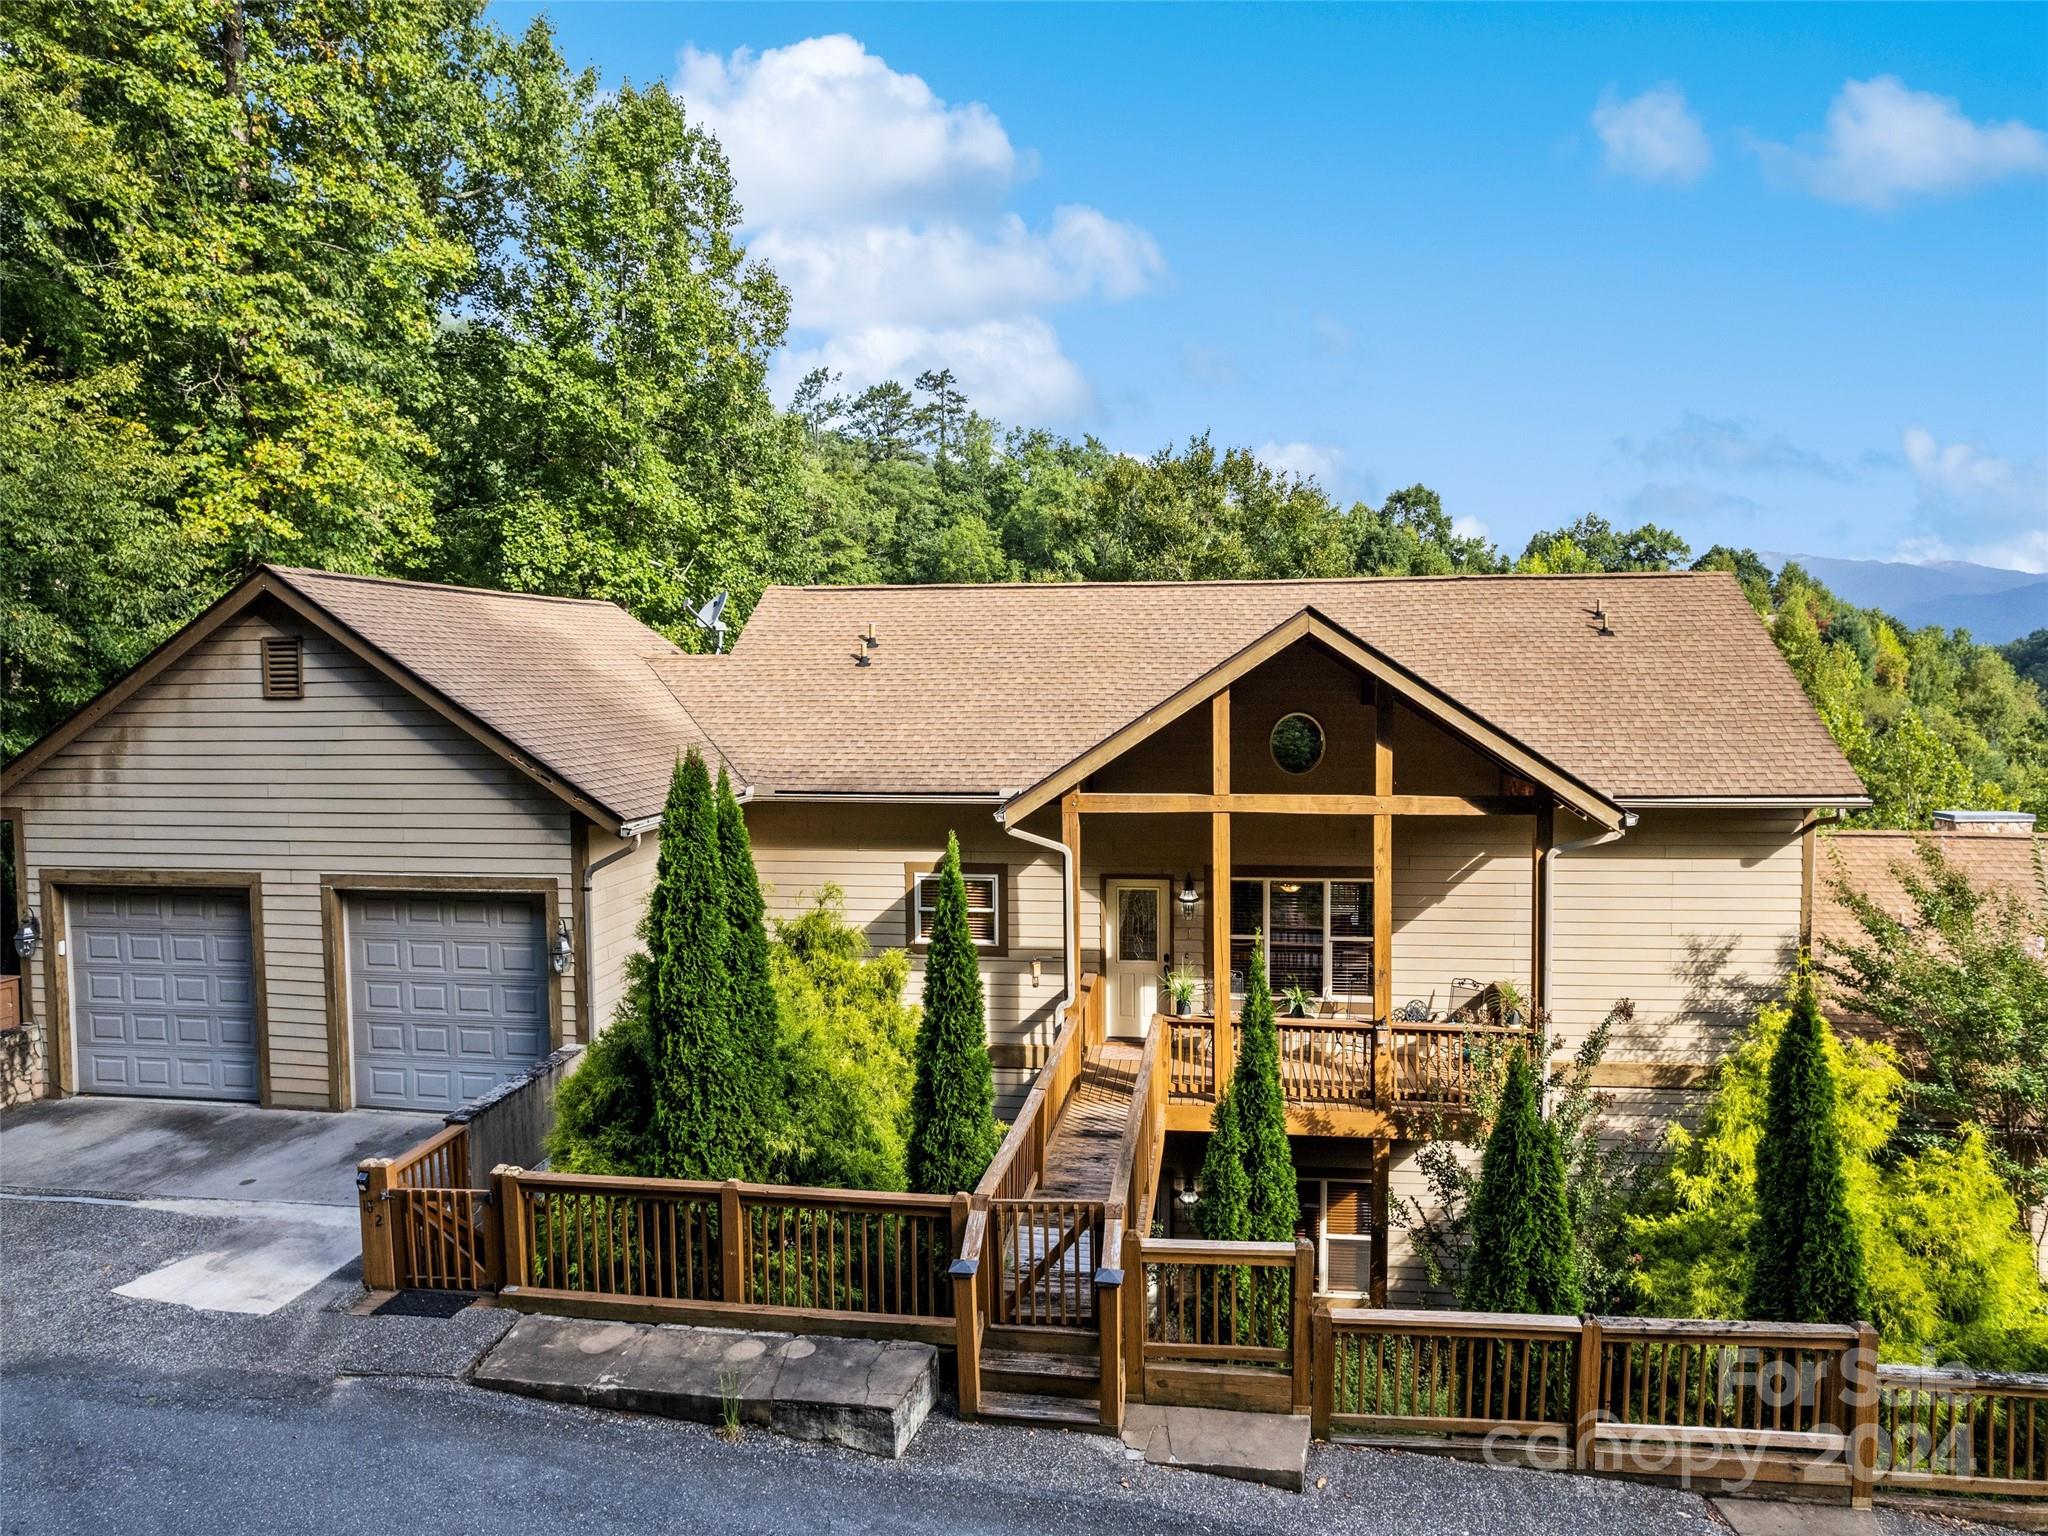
x,y
730,1254
1219,1324
1948,1431
423,1224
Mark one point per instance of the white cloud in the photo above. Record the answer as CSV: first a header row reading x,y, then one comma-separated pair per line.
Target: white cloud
x,y
1729,446
1883,142
1012,369
1319,462
824,127
1977,505
880,205
842,275
1470,528
1654,136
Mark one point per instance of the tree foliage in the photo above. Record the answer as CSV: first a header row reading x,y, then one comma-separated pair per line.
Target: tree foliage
x,y
845,1044
1522,1258
1606,1170
1950,1271
1248,1189
953,1129
1806,1257
1963,981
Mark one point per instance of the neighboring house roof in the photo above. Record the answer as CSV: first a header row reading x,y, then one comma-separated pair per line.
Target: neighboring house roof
x,y
985,690
561,687
1992,861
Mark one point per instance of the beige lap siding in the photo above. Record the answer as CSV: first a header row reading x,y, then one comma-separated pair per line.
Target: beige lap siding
x,y
1694,916
618,900
863,849
199,772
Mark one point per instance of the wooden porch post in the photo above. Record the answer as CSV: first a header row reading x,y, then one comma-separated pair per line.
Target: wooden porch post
x,y
1070,834
1219,888
1383,861
1539,888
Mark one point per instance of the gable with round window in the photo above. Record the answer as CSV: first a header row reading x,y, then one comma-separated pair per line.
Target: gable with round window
x,y
1297,742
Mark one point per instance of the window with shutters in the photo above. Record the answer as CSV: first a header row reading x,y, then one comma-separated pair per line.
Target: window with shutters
x,y
284,667
986,917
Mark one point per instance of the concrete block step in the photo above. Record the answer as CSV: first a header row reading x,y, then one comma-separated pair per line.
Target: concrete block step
x,y
1043,1412
1040,1374
868,1394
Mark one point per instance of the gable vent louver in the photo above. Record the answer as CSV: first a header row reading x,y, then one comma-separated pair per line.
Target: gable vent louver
x,y
284,667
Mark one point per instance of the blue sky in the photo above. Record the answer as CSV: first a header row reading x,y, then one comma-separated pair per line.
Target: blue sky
x,y
1775,277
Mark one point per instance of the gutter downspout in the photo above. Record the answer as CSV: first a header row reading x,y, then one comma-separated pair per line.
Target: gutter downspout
x,y
590,1025
1071,928
1598,839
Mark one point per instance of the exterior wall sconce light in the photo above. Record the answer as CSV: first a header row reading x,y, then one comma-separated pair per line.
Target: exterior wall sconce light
x,y
28,936
1188,897
560,951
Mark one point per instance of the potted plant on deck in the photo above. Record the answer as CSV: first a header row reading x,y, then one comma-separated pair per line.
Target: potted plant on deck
x,y
1180,986
1299,1004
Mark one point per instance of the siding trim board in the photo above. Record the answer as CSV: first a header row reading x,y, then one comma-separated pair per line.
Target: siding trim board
x,y
334,889
56,883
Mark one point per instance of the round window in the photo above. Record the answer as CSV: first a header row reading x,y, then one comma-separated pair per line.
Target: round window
x,y
1297,743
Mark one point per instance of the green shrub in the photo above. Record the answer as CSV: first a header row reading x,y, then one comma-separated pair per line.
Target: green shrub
x,y
845,1049
1805,1254
953,1130
604,1110
1272,1195
1949,1270
760,1101
1522,1256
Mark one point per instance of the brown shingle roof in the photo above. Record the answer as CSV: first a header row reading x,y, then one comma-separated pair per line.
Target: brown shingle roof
x,y
567,680
987,689
1991,861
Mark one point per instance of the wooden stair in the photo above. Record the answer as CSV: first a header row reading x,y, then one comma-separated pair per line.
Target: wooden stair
x,y
1033,1373
1040,1412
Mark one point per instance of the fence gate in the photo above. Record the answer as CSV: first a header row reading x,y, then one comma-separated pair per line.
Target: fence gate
x,y
1042,1260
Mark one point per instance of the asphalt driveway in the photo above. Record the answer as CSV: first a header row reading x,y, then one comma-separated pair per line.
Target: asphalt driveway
x,y
273,1190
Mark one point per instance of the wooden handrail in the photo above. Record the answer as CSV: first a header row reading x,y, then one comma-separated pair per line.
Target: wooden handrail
x,y
1192,1250
1036,1115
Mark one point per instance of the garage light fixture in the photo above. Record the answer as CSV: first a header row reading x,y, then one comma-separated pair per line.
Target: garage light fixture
x,y
560,951
28,935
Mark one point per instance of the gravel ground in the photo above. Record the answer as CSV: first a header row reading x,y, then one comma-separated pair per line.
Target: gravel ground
x,y
123,1415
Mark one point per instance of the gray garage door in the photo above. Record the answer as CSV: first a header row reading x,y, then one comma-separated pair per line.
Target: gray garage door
x,y
163,995
447,997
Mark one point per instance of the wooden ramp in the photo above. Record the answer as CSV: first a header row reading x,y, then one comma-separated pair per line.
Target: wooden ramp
x,y
1080,1155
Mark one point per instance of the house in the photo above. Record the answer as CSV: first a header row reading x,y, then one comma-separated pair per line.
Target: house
x,y
379,841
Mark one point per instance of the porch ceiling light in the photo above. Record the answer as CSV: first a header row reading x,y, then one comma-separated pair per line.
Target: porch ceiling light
x,y
560,951
1187,895
1291,887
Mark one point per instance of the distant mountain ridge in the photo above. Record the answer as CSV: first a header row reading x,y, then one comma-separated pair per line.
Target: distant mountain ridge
x,y
1995,605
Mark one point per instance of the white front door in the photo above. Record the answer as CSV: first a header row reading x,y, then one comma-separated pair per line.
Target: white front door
x,y
1134,946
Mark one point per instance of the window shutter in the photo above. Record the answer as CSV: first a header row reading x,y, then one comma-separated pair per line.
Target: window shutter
x,y
284,669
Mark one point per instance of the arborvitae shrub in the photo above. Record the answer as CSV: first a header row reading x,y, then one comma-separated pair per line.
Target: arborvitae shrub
x,y
953,1130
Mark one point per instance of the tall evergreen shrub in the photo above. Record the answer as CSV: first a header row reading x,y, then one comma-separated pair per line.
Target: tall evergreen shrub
x,y
953,1130
1806,1257
759,1101
1523,1258
703,1108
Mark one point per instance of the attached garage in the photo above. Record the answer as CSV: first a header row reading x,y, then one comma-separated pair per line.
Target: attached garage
x,y
447,995
164,999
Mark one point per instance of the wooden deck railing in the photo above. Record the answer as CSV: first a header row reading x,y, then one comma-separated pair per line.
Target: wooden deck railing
x,y
1133,1191
1219,1324
1347,1063
1951,1431
1441,1373
731,1254
1019,1162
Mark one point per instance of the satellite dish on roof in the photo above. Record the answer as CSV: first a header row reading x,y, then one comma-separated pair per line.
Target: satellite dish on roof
x,y
711,619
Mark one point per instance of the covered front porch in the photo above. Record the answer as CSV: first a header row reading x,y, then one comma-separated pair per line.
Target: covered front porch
x,y
1387,848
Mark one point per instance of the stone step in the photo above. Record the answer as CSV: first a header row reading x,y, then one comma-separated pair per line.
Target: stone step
x,y
1042,1374
1039,1411
863,1393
